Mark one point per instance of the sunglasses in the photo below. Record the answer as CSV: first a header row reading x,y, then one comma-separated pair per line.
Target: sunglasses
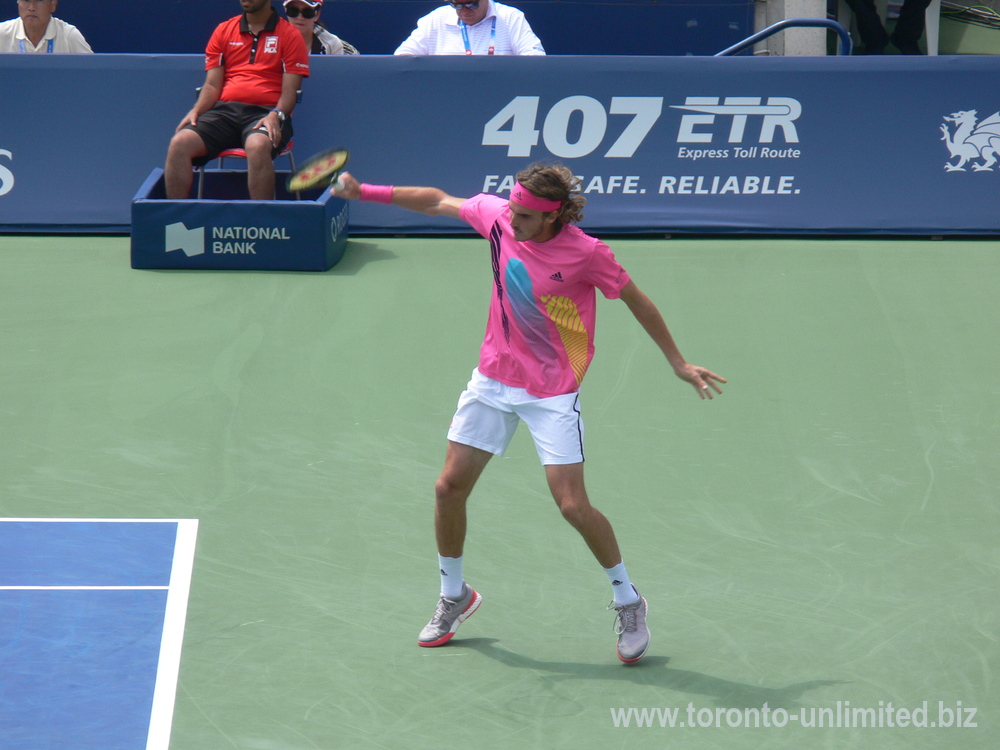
x,y
293,11
467,6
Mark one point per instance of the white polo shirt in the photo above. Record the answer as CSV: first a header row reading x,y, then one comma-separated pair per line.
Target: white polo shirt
x,y
504,28
59,37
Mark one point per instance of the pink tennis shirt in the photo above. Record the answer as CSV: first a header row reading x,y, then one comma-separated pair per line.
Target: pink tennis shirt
x,y
540,331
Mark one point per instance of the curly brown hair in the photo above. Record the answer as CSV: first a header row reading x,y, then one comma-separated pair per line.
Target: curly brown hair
x,y
555,182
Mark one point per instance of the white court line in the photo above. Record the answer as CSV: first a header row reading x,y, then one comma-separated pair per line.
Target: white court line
x,y
84,588
165,693
93,520
175,614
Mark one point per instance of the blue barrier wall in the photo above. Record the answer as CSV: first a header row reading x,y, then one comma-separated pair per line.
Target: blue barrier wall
x,y
376,27
782,145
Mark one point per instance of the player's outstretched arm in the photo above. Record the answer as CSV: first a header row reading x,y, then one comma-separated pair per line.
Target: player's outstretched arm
x,y
649,317
424,200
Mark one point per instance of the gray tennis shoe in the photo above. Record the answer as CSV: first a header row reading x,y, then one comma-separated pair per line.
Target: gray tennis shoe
x,y
448,616
630,625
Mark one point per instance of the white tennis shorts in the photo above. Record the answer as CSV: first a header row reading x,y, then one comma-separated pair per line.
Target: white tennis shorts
x,y
489,411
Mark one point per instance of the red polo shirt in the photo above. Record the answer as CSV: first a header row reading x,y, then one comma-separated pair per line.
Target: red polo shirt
x,y
254,65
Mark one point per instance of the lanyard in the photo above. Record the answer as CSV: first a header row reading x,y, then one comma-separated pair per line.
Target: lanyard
x,y
493,37
51,45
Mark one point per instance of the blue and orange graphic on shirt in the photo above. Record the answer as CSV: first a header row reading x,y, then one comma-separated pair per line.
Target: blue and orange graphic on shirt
x,y
534,324
565,314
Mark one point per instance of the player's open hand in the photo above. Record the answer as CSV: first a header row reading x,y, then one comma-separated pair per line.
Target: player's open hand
x,y
704,381
347,187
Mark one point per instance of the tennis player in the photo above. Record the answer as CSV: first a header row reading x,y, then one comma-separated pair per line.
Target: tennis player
x,y
539,342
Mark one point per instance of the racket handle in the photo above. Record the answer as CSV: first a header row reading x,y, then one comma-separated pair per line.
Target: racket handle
x,y
376,193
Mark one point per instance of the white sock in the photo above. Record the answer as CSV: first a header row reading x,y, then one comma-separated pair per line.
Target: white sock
x,y
451,577
620,584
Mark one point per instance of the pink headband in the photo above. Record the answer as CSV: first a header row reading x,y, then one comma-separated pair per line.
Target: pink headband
x,y
523,197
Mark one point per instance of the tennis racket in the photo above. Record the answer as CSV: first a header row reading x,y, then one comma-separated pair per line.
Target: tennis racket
x,y
319,170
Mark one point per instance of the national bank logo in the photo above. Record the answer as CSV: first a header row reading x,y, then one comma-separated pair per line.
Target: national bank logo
x,y
969,140
232,240
179,237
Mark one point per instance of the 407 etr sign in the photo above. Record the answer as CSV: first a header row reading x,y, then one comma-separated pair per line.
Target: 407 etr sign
x,y
578,126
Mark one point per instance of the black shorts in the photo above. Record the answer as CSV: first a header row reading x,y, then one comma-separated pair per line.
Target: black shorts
x,y
227,125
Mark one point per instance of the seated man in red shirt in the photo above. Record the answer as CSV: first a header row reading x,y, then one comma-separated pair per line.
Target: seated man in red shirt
x,y
255,63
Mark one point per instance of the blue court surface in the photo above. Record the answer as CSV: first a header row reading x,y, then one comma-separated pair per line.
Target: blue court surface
x,y
91,621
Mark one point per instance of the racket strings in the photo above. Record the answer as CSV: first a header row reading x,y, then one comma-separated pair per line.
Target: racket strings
x,y
321,169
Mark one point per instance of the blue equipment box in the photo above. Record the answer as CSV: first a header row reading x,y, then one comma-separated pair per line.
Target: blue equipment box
x,y
225,230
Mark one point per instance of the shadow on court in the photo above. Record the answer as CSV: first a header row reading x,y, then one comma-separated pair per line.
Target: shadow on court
x,y
357,255
652,671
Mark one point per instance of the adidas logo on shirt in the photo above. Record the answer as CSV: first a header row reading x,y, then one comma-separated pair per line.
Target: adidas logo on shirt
x,y
557,276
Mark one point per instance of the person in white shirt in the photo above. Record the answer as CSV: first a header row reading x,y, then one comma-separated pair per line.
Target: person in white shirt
x,y
480,27
35,30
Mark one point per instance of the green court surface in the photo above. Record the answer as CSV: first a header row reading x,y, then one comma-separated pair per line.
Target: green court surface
x,y
822,537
